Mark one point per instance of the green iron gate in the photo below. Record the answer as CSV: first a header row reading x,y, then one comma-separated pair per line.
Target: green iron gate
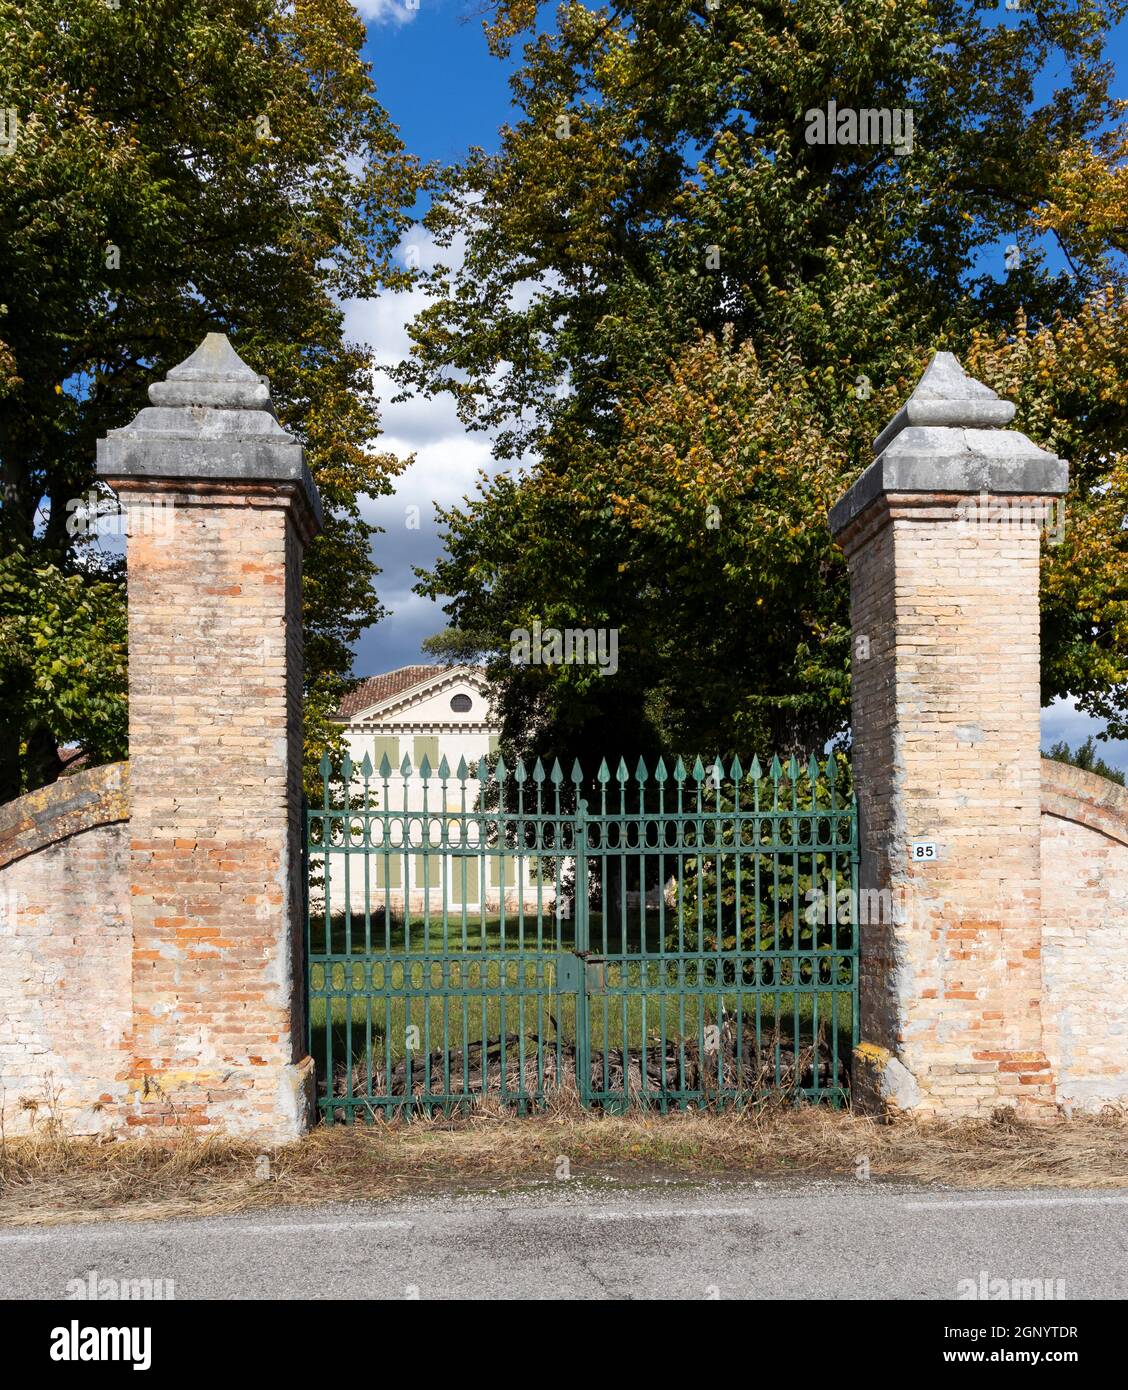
x,y
688,940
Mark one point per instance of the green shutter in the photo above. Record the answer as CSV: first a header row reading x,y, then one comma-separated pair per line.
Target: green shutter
x,y
429,746
427,870
386,744
394,862
510,871
463,880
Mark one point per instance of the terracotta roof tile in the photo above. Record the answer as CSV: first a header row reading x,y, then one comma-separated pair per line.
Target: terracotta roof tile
x,y
383,687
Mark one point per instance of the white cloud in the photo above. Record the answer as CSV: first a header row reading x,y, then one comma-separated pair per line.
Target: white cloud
x,y
1062,721
448,458
397,12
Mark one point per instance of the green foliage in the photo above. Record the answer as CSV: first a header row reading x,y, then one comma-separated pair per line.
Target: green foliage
x,y
1085,756
766,901
234,154
698,322
62,667
1069,379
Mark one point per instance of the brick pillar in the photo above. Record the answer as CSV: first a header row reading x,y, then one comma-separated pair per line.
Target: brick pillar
x,y
941,535
219,507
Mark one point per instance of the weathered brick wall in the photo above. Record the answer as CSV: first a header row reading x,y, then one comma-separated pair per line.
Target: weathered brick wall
x,y
883,866
942,536
215,727
65,994
1085,935
947,705
215,737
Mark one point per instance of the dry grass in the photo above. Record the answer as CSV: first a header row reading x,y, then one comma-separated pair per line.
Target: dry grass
x,y
48,1178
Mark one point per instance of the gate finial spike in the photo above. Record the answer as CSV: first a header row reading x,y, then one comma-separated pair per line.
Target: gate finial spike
x,y
621,773
776,769
736,772
366,767
698,769
538,772
756,770
556,775
501,770
385,768
641,773
483,771
462,771
577,772
603,776
679,770
813,770
425,767
519,773
405,766
325,767
444,768
660,773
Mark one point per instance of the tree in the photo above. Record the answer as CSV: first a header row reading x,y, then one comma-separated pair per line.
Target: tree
x,y
180,166
62,667
1069,380
1085,756
685,312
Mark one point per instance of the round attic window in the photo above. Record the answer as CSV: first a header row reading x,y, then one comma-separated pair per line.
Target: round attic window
x,y
461,704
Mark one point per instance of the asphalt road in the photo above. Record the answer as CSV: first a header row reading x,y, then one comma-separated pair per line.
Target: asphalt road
x,y
718,1241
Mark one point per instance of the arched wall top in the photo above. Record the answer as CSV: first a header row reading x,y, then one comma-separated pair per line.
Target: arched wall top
x,y
1072,794
93,797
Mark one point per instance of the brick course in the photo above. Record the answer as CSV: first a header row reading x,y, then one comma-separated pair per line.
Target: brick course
x,y
215,736
946,720
946,726
215,833
1085,935
65,994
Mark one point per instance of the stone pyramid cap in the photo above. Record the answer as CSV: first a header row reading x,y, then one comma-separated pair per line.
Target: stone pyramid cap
x,y
946,395
950,437
210,423
214,375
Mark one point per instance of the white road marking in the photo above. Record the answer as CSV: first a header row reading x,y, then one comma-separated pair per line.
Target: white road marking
x,y
666,1214
962,1203
145,1229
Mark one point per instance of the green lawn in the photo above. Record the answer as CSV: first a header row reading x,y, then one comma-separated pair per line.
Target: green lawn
x,y
499,982
625,932
617,1018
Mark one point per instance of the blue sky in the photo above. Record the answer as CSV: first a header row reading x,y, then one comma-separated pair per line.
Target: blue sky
x,y
437,79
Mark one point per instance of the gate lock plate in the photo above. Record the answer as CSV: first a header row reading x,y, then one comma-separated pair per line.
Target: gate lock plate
x,y
574,973
569,973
